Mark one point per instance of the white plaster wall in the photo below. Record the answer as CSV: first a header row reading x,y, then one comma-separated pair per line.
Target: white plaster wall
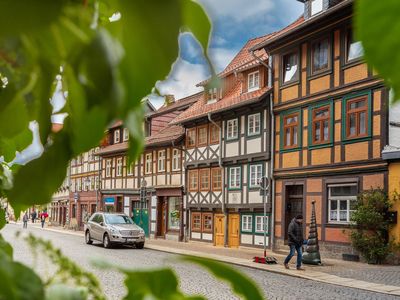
x,y
207,236
153,227
394,131
232,149
118,184
130,183
259,240
254,197
176,179
196,235
246,239
234,197
254,145
161,180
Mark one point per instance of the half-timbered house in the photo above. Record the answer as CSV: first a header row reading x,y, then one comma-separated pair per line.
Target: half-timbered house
x,y
227,153
330,122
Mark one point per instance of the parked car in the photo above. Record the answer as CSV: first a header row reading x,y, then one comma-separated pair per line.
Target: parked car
x,y
113,228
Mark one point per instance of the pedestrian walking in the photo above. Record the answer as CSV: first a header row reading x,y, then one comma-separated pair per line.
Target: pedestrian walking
x,y
42,218
295,241
33,215
25,219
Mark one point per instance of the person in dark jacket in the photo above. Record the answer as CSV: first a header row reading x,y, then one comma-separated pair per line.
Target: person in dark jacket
x,y
295,241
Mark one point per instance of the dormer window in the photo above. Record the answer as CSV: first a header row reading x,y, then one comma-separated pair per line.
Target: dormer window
x,y
116,136
253,81
320,55
316,6
290,67
126,134
354,49
212,95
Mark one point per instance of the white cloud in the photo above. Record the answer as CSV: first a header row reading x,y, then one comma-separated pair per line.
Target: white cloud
x,y
237,9
182,81
221,57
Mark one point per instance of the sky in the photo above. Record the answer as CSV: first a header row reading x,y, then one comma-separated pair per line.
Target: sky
x,y
234,23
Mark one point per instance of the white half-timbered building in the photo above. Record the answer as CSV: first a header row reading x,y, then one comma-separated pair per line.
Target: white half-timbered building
x,y
227,154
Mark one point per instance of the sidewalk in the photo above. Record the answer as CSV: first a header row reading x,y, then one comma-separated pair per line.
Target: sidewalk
x,y
375,278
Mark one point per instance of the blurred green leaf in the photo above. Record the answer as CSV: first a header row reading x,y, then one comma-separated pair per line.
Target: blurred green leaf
x,y
16,114
241,284
2,218
5,249
65,292
378,27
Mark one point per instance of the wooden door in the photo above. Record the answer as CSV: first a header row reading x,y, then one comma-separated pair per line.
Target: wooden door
x,y
219,230
233,230
294,205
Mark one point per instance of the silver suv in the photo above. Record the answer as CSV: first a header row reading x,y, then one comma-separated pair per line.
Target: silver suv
x,y
110,228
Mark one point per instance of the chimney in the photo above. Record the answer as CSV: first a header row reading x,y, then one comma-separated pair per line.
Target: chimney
x,y
169,99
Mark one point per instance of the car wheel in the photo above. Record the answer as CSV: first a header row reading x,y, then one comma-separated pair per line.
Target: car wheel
x,y
106,241
139,245
88,240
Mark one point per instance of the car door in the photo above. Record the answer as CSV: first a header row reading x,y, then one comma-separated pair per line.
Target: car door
x,y
94,227
99,227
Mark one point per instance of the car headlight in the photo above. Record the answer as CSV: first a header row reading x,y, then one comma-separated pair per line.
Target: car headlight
x,y
114,231
141,231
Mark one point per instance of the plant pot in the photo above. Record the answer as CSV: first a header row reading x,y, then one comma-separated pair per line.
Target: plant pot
x,y
350,257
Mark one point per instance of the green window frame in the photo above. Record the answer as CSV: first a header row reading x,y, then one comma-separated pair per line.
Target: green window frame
x,y
246,223
329,143
230,187
257,185
346,99
254,217
235,137
299,130
260,125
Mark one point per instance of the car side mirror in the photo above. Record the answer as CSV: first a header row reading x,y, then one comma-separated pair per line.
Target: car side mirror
x,y
101,224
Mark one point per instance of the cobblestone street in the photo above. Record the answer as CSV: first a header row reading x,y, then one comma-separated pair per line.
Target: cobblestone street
x,y
193,279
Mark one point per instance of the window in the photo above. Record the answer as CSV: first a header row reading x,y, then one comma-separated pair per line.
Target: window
x,y
193,180
357,117
207,222
79,184
259,224
214,134
212,95
204,179
196,222
148,163
108,168
253,124
216,179
232,129
161,161
119,166
126,134
130,168
174,219
176,160
247,223
191,137
235,177
253,81
202,136
316,6
255,175
320,55
290,67
342,202
291,131
116,136
354,48
321,119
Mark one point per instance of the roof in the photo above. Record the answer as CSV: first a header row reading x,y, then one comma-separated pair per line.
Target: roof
x,y
120,147
169,134
299,24
244,60
177,105
233,99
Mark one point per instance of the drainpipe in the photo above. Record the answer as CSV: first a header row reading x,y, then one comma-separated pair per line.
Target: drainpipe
x,y
272,122
223,208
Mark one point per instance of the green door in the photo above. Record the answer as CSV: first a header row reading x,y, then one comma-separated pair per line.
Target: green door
x,y
141,216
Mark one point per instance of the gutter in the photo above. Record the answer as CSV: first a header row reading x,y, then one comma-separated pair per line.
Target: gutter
x,y
221,166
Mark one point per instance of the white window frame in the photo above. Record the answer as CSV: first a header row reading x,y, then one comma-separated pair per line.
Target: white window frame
x,y
255,175
338,199
148,163
230,129
252,124
261,218
317,8
130,168
119,166
117,136
211,93
125,135
176,158
108,167
161,161
252,83
247,223
235,176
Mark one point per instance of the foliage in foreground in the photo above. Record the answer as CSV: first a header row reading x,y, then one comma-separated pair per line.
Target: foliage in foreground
x,y
371,225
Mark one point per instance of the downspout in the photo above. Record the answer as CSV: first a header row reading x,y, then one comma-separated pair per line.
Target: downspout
x,y
223,208
272,143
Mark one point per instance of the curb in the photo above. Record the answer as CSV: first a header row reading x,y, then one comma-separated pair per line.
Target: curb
x,y
278,269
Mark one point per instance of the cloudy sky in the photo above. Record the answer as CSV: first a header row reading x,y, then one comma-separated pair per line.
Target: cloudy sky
x,y
234,22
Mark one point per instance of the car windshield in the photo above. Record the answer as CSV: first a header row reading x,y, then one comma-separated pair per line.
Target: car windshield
x,y
118,219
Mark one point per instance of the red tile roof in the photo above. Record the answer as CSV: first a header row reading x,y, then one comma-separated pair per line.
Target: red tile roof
x,y
177,105
233,99
120,147
169,134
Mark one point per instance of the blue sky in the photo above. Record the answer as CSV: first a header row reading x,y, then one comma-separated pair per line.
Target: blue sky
x,y
234,22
